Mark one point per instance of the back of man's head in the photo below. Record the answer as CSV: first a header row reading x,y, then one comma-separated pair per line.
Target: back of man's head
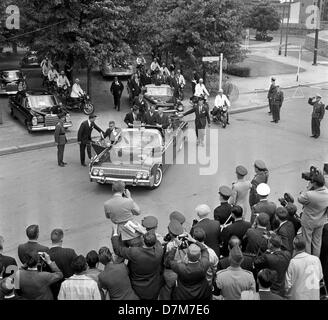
x,y
237,211
149,239
57,236
275,241
79,264
193,252
199,234
32,232
32,259
266,277
92,259
263,219
299,243
105,256
203,211
234,241
282,213
118,186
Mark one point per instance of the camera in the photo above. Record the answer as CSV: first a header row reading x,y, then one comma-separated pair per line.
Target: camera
x,y
287,198
184,242
308,176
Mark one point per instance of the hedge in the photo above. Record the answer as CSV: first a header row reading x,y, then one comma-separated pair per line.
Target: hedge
x,y
239,71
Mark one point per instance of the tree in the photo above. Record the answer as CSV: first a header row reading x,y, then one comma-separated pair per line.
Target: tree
x,y
85,31
264,17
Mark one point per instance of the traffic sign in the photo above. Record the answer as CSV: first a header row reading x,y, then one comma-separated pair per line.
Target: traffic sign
x,y
210,59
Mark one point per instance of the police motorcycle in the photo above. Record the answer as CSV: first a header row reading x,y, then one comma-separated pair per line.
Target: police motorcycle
x,y
220,115
83,103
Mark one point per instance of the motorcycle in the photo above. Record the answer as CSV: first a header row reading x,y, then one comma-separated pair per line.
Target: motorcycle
x,y
83,103
220,115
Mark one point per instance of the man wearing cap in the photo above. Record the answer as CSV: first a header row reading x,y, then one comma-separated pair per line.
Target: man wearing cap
x,y
264,205
240,192
222,213
276,103
317,115
314,217
221,100
176,215
234,280
60,139
285,230
150,223
211,228
271,93
191,282
84,136
261,176
275,258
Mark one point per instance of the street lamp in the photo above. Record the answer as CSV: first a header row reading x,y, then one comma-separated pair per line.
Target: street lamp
x,y
316,39
287,30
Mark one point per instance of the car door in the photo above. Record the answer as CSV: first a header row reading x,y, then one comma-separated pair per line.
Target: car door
x,y
169,149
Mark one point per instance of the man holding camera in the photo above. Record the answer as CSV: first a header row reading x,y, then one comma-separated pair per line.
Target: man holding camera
x,y
317,114
314,217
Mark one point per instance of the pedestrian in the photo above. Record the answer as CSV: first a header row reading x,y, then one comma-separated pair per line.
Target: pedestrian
x,y
304,273
79,286
221,101
271,93
194,81
8,263
84,137
232,281
317,114
201,115
314,217
261,176
60,139
222,213
276,103
265,279
240,192
116,89
92,259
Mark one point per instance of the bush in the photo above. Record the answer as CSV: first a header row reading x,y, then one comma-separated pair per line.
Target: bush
x,y
239,71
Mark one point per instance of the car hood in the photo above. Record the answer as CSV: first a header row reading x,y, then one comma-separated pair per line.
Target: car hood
x,y
47,110
160,99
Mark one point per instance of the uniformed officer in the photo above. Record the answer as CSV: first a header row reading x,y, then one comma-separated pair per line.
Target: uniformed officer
x,y
151,224
261,176
176,215
222,213
271,93
60,139
276,103
317,114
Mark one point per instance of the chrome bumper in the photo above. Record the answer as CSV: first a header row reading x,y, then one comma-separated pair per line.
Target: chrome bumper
x,y
130,182
48,128
8,92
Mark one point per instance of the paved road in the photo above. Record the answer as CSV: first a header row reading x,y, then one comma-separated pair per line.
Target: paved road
x,y
34,189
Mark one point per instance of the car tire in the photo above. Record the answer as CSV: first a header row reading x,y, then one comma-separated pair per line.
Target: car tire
x,y
158,178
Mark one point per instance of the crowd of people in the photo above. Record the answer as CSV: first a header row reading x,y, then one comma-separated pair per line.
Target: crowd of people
x,y
249,248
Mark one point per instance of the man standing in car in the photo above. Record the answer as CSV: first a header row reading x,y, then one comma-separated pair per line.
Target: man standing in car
x,y
60,139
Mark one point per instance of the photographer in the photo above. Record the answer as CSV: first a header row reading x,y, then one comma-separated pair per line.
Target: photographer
x,y
315,203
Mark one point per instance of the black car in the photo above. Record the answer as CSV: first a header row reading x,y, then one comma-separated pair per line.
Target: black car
x,y
12,81
30,60
37,110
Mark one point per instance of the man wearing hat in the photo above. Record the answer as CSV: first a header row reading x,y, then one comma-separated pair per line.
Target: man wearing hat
x,y
240,192
222,213
60,139
211,227
276,103
314,217
176,215
317,114
271,93
261,176
234,280
221,100
150,223
264,205
84,136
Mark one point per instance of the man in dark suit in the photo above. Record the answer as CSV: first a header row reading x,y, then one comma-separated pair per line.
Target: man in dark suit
x,y
261,176
151,117
132,116
271,93
63,257
222,213
275,259
31,245
84,137
264,280
163,119
142,104
255,240
285,230
60,139
201,115
238,228
135,86
113,132
145,264
116,89
9,264
211,228
264,205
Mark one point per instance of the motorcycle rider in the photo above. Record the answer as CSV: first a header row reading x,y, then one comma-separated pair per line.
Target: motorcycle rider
x,y
200,89
221,100
52,75
181,83
45,68
62,82
77,91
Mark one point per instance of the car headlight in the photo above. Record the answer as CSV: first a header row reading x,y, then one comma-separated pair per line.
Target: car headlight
x,y
145,175
139,175
34,121
95,172
101,173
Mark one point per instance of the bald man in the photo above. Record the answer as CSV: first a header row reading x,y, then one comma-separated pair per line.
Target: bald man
x,y
210,226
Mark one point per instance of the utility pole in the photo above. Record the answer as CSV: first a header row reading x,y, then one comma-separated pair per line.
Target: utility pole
x,y
316,39
287,30
282,24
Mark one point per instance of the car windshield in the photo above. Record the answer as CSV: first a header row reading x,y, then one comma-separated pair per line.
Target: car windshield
x,y
159,91
41,102
10,75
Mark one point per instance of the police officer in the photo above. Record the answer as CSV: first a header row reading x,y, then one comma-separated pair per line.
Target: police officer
x,y
151,224
261,176
60,139
317,114
271,93
276,103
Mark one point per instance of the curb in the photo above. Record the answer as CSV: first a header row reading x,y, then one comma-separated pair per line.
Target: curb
x,y
49,144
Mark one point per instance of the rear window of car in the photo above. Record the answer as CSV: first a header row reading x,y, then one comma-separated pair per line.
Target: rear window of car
x,y
159,91
41,102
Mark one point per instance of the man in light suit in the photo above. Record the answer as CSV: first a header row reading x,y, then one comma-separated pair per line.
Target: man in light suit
x,y
60,139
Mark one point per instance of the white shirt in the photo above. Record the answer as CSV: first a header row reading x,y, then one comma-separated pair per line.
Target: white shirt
x,y
214,260
53,75
181,80
221,101
154,66
62,80
200,89
76,91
